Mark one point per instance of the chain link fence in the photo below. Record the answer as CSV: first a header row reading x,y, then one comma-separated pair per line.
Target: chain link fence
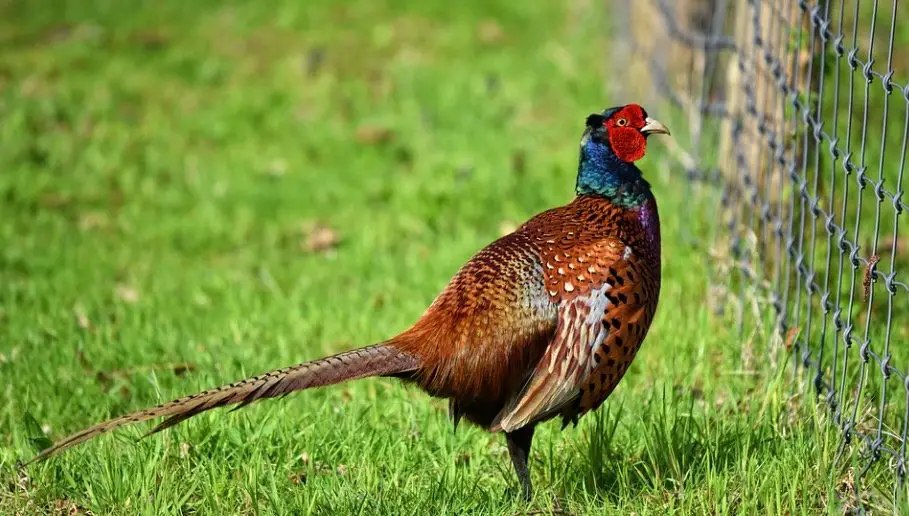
x,y
795,118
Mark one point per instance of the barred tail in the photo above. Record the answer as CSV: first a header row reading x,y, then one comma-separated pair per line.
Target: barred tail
x,y
376,360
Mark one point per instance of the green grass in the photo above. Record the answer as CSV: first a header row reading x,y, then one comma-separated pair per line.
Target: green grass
x,y
163,169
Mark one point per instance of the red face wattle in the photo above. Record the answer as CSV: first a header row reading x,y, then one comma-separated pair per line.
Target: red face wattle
x,y
627,131
624,132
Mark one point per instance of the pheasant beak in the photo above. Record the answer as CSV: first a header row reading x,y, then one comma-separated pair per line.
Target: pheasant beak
x,y
652,126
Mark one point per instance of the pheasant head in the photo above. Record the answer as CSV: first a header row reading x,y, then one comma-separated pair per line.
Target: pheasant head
x,y
613,140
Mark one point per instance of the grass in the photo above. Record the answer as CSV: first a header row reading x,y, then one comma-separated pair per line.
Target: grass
x,y
193,192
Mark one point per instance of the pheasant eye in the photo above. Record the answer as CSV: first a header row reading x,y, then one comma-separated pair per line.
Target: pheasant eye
x,y
621,122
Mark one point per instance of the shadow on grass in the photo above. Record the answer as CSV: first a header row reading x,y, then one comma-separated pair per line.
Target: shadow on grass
x,y
670,443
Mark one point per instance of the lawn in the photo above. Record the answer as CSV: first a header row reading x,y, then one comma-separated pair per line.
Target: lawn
x,y
194,192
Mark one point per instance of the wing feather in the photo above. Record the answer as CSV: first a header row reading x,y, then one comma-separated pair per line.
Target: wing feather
x,y
599,328
567,362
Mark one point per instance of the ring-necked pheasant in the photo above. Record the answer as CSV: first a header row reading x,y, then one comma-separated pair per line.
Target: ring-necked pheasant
x,y
541,323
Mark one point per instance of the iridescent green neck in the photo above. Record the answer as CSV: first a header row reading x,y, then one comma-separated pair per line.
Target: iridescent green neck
x,y
601,173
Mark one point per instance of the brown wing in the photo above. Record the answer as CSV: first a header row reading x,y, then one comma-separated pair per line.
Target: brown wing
x,y
487,328
606,304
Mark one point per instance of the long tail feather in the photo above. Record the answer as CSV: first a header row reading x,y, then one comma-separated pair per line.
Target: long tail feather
x,y
374,360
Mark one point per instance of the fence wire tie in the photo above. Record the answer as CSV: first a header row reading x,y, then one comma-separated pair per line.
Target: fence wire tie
x,y
838,45
833,148
890,283
863,350
841,241
809,282
854,257
899,465
848,167
852,59
860,177
847,335
866,70
887,81
837,319
879,189
825,301
829,224
824,33
875,450
885,367
815,207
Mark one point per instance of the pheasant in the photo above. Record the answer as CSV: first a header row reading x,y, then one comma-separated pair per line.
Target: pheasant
x,y
541,323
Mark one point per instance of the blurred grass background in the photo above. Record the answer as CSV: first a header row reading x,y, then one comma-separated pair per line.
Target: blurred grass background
x,y
192,192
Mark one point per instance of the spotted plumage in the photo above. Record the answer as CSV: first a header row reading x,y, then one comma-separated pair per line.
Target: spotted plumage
x,y
542,323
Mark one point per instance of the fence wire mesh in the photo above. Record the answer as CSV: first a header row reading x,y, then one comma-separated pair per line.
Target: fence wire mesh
x,y
797,116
